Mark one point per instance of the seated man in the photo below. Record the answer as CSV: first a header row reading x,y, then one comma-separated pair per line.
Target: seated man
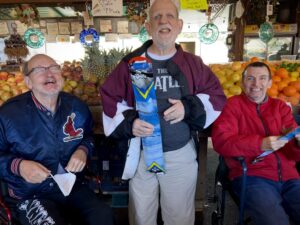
x,y
249,125
45,132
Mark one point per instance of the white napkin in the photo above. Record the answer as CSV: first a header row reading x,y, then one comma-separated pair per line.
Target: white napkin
x,y
65,182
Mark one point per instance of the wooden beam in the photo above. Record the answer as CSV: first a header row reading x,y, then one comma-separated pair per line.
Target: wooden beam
x,y
44,2
238,45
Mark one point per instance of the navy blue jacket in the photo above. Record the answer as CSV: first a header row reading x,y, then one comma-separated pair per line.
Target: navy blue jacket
x,y
29,131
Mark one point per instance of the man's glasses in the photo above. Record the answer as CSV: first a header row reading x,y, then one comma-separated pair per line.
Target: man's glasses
x,y
41,70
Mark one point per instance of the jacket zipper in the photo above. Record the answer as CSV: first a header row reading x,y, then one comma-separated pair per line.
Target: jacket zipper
x,y
268,134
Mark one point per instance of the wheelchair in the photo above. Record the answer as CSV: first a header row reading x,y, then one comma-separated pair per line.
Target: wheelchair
x,y
223,185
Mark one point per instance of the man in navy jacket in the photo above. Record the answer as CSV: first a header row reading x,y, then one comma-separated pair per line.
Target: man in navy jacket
x,y
45,132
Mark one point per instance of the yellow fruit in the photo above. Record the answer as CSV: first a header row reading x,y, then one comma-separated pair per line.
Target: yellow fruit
x,y
235,66
235,77
226,92
222,80
229,72
294,74
227,85
235,90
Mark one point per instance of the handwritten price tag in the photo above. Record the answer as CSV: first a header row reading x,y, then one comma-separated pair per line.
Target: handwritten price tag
x,y
107,7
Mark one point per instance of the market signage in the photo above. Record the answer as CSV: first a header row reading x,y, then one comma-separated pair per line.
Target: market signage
x,y
107,7
194,4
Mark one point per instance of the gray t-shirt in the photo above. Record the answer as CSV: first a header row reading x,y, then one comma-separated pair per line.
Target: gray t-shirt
x,y
174,136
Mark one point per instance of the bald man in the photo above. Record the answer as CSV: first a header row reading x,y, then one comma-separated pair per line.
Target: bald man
x,y
46,134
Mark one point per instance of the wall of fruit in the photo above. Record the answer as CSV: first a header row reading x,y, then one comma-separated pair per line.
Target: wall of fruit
x,y
85,83
285,77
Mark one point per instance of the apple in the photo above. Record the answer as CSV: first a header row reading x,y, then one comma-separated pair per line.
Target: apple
x,y
3,75
6,95
11,79
16,91
67,88
6,87
73,83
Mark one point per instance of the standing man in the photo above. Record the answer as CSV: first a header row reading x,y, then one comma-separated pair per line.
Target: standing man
x,y
45,137
249,125
187,98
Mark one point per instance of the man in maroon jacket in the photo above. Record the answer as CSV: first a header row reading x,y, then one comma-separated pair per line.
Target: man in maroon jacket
x,y
251,124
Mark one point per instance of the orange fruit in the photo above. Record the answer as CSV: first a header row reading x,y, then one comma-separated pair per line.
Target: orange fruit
x,y
289,91
254,59
282,72
276,78
282,97
297,95
281,85
272,92
295,84
274,86
293,100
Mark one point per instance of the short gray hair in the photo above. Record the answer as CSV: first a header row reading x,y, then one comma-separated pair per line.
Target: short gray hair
x,y
175,2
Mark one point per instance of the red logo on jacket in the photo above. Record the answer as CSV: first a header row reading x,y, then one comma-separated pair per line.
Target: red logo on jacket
x,y
70,130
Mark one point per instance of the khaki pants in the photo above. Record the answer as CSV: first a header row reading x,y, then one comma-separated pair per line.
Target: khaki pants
x,y
176,189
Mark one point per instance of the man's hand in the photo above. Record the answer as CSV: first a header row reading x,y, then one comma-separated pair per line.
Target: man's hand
x,y
33,172
77,161
175,113
272,143
141,128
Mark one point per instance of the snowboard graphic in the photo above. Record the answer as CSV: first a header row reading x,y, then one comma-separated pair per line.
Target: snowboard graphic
x,y
146,105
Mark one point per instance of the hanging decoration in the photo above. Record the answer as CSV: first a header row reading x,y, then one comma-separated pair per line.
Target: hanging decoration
x,y
209,32
88,36
143,35
27,14
34,38
266,32
15,47
137,10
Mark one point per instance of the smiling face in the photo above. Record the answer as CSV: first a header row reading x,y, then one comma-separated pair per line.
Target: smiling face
x,y
47,83
256,81
164,25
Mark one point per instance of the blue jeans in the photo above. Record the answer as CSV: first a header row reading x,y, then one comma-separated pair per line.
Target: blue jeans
x,y
268,202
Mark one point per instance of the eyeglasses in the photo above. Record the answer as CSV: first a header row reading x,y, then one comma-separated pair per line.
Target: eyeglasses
x,y
41,70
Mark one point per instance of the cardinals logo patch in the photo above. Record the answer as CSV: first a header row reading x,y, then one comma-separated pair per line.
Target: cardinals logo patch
x,y
70,130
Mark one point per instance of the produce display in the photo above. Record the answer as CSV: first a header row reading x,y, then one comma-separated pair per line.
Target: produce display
x,y
11,84
285,77
85,83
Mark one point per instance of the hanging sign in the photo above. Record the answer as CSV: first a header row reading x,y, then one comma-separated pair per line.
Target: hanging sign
x,y
194,4
105,26
107,7
3,28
